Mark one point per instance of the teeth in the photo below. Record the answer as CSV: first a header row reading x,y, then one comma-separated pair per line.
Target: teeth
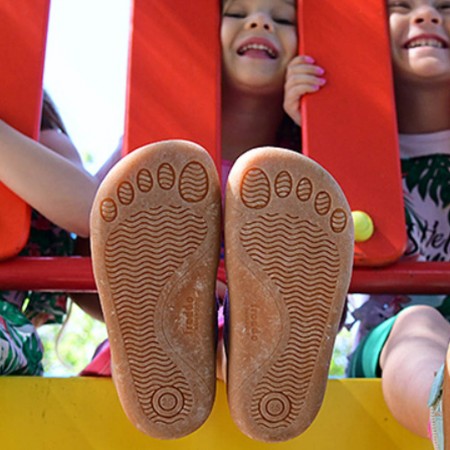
x,y
425,43
262,47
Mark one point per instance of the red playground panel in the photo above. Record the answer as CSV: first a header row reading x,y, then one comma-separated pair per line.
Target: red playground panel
x,y
23,31
174,74
350,126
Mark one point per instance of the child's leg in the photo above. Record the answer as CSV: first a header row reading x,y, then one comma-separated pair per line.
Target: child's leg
x,y
414,352
155,248
289,253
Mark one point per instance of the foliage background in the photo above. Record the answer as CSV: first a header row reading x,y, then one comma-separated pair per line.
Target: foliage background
x,y
71,352
68,349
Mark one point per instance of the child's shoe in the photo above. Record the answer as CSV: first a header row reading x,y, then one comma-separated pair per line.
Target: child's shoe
x,y
439,402
289,254
155,248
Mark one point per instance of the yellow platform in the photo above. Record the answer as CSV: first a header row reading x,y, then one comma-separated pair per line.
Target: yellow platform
x,y
84,414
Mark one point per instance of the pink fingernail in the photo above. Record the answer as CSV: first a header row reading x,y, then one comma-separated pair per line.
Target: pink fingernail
x,y
308,59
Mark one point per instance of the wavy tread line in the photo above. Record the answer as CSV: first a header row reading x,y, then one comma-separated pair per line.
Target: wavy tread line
x,y
158,241
303,263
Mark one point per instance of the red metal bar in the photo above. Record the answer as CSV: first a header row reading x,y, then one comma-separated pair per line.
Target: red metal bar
x,y
74,274
403,278
70,274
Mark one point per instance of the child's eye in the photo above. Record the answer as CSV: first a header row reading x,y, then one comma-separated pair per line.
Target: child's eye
x,y
399,6
234,14
284,21
444,6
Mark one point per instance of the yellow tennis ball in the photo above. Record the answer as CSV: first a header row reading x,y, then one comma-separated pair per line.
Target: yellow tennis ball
x,y
363,225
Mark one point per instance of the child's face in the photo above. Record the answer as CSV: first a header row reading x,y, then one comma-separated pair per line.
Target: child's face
x,y
259,39
420,38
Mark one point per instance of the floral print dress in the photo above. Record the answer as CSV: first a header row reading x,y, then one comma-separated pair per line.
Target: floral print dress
x,y
21,312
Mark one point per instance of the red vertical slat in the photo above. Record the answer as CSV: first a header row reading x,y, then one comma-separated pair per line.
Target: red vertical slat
x,y
23,32
350,125
174,77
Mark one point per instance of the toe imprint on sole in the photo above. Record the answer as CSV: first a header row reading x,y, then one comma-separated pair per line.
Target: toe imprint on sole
x,y
304,189
283,184
108,210
144,180
255,189
166,176
256,194
193,182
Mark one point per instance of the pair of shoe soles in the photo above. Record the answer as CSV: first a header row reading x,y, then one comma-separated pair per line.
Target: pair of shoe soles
x,y
156,230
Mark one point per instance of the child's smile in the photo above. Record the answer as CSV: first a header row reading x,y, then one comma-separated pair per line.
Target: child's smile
x,y
420,36
426,40
259,39
258,48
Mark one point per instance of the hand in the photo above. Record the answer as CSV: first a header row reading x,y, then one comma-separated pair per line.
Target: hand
x,y
303,76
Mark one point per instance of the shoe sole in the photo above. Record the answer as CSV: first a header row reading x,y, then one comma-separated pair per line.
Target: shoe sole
x,y
155,248
289,255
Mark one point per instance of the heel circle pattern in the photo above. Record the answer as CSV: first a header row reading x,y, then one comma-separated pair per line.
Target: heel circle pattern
x,y
275,407
168,401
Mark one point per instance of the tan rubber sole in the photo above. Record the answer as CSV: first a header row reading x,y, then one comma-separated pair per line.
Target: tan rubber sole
x,y
289,255
155,247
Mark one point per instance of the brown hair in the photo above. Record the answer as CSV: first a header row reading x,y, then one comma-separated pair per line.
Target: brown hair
x,y
50,118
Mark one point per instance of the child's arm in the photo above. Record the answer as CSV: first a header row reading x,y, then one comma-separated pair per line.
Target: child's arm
x,y
90,303
109,164
49,177
303,76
